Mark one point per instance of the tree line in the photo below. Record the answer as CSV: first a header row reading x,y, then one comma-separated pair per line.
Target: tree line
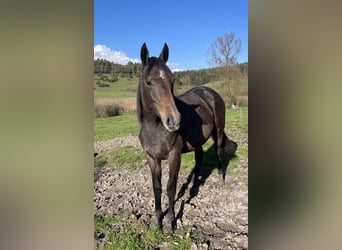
x,y
102,66
186,77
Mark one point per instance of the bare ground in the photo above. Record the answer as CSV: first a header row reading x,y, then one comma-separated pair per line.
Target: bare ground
x,y
219,213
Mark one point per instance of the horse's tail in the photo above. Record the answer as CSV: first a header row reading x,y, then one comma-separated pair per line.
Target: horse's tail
x,y
228,145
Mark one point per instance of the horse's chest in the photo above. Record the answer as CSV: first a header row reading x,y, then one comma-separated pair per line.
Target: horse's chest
x,y
156,143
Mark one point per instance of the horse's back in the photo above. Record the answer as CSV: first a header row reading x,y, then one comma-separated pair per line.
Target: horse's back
x,y
202,109
213,100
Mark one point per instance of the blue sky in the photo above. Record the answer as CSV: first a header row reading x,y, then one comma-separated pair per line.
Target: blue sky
x,y
187,26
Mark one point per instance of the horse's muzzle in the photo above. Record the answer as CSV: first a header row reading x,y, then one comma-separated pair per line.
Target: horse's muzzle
x,y
172,123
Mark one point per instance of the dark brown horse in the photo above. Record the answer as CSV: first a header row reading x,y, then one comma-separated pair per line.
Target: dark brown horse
x,y
173,125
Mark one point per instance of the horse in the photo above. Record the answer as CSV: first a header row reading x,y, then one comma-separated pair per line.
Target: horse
x,y
172,125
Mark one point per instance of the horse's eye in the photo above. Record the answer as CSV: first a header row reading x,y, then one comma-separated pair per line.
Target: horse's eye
x,y
149,83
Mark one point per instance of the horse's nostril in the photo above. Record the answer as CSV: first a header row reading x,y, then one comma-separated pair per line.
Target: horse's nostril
x,y
168,122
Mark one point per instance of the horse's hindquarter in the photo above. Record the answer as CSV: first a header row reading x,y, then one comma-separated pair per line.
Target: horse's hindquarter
x,y
197,120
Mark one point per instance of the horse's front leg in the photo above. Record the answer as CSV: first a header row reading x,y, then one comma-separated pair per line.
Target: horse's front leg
x,y
174,165
155,168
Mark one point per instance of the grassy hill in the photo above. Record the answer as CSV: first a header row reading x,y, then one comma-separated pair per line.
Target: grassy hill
x,y
127,88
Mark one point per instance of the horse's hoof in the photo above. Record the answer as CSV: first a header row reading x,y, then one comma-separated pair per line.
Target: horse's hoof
x,y
230,148
170,226
222,178
157,220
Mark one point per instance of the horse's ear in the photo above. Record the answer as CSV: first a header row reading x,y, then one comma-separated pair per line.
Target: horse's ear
x,y
144,54
164,55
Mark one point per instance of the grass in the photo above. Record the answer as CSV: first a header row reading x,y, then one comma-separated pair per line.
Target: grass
x,y
127,124
123,88
127,104
127,156
124,232
108,110
117,126
237,119
127,88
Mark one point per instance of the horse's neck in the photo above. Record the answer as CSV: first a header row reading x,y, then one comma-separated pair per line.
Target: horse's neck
x,y
149,118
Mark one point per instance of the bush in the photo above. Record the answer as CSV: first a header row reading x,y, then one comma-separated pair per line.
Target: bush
x,y
103,77
107,110
114,79
102,84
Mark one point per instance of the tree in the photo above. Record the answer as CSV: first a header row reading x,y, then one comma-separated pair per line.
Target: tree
x,y
225,49
223,53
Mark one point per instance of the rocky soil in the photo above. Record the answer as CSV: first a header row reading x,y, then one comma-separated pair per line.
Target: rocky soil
x,y
218,212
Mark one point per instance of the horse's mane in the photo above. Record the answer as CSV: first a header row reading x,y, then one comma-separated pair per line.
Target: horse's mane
x,y
139,105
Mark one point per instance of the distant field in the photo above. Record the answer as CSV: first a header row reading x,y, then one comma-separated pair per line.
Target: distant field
x,y
123,88
124,91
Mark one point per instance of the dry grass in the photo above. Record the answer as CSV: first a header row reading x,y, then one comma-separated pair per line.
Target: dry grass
x,y
243,100
127,104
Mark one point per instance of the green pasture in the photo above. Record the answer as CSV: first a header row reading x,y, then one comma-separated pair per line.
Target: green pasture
x,y
123,88
127,87
124,232
127,124
116,126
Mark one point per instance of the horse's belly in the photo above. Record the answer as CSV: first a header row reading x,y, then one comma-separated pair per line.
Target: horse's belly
x,y
196,137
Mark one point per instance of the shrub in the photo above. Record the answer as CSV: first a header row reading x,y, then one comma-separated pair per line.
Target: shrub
x,y
102,84
103,77
107,110
114,79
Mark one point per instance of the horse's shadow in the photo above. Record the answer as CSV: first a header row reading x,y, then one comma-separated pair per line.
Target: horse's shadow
x,y
99,163
208,165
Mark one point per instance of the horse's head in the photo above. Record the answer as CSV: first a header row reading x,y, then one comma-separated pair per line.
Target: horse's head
x,y
156,86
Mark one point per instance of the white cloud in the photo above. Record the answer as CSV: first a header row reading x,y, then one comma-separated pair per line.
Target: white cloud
x,y
174,67
103,52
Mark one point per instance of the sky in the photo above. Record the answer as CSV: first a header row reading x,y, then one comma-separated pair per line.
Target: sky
x,y
188,27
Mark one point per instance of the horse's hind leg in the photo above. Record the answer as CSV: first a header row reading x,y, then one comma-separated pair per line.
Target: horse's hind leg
x,y
229,146
198,159
155,168
198,162
219,139
223,145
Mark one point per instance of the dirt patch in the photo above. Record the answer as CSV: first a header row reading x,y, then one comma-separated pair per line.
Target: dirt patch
x,y
218,212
